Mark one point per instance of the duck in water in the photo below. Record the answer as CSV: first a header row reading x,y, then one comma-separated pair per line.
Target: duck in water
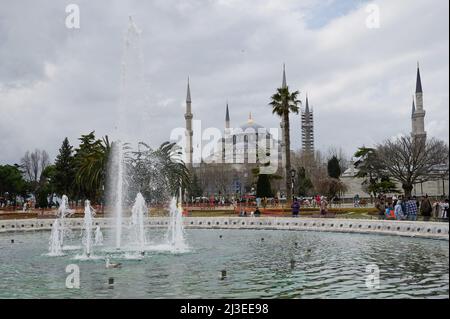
x,y
112,265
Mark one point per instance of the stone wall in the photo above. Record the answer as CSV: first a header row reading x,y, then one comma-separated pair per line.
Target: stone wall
x,y
432,230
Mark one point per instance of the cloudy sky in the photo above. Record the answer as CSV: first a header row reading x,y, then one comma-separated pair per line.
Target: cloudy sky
x,y
57,82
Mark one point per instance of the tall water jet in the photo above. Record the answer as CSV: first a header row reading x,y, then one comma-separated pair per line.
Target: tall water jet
x,y
131,92
176,228
87,228
138,213
98,237
55,244
62,213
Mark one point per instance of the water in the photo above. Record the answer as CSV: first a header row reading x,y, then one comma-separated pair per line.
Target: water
x,y
175,233
98,237
59,229
139,212
56,241
131,93
335,267
87,229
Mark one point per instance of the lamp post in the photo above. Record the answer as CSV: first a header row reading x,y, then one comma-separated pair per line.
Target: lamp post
x,y
293,173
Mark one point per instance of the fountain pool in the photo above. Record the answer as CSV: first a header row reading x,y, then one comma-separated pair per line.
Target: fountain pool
x,y
326,265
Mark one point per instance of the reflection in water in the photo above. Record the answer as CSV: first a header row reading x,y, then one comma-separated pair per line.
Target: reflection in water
x,y
326,265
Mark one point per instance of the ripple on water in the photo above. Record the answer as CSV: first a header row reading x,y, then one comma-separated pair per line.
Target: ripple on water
x,y
326,265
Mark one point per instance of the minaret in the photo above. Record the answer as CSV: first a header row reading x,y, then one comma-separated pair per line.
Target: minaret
x,y
189,133
227,118
418,113
307,129
227,139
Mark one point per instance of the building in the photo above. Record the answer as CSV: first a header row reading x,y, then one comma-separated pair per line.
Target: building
x,y
241,150
435,185
307,130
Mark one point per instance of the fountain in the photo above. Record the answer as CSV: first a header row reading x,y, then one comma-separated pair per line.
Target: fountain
x,y
176,228
59,229
87,228
55,244
130,91
98,237
138,213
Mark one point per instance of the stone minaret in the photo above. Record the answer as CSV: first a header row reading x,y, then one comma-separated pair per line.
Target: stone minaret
x,y
189,133
307,130
227,139
418,113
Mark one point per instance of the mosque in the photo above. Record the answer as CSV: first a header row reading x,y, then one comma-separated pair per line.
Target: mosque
x,y
230,169
435,185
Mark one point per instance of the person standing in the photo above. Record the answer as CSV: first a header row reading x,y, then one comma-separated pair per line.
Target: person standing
x,y
444,209
411,209
379,205
323,206
398,211
295,208
426,208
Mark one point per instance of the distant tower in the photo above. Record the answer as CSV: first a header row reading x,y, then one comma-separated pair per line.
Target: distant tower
x,y
227,139
307,130
227,118
189,133
418,113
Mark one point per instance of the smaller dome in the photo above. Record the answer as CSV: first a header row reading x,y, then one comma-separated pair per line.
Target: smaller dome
x,y
251,124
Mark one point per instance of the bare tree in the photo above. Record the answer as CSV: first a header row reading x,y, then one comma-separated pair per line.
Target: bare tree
x,y
33,164
409,160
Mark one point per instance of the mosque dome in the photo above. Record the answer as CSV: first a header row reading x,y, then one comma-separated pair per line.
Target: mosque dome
x,y
251,124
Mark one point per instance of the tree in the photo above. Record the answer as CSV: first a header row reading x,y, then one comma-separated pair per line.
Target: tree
x,y
334,168
409,160
11,182
263,187
158,173
331,186
64,176
91,163
33,164
195,188
283,103
375,178
304,183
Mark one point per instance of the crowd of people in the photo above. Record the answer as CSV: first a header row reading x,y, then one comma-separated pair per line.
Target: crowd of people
x,y
411,207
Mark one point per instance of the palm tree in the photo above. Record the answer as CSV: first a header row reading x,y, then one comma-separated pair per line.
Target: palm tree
x,y
284,102
91,164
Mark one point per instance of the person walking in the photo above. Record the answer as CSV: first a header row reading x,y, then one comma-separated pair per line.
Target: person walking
x,y
426,208
411,209
295,208
323,206
398,210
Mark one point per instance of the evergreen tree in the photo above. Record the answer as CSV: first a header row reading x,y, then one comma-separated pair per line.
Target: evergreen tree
x,y
304,183
263,188
195,189
64,175
334,169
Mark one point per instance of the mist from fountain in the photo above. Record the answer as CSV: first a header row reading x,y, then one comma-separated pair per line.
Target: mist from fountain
x,y
131,91
176,228
98,237
87,228
139,212
55,244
